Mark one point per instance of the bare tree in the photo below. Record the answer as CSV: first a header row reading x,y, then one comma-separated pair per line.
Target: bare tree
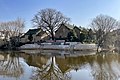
x,y
12,28
103,25
49,20
11,32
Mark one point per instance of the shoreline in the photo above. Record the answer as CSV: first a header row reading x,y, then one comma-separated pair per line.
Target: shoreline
x,y
65,49
73,47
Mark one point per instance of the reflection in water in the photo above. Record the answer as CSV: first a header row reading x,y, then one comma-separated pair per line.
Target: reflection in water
x,y
103,66
106,67
48,67
10,66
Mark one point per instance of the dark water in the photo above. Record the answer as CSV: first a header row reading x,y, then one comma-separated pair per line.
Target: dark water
x,y
55,66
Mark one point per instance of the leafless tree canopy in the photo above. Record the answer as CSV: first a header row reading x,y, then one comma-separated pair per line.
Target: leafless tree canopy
x,y
104,22
103,25
49,20
12,28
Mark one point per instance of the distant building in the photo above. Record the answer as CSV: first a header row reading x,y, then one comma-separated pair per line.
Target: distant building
x,y
64,29
36,34
60,34
77,31
2,34
2,37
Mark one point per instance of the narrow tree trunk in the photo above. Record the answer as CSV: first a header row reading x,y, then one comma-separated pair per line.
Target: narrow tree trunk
x,y
98,46
52,34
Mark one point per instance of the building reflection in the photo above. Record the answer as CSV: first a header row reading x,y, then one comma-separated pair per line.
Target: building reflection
x,y
47,68
103,66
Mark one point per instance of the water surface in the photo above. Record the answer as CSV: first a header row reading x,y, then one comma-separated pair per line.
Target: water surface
x,y
59,65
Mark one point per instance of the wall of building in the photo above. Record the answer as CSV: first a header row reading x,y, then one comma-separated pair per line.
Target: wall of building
x,y
77,31
62,32
2,42
42,37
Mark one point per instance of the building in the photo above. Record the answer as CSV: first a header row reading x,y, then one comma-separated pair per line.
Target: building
x,y
77,31
64,29
34,35
2,38
2,35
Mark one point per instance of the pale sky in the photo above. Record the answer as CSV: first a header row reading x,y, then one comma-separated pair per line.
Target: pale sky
x,y
81,12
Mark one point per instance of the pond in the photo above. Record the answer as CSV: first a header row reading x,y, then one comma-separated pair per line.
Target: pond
x,y
51,65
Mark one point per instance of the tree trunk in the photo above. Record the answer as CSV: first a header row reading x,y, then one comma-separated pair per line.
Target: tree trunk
x,y
52,35
98,46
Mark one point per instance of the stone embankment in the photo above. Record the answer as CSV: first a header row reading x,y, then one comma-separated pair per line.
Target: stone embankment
x,y
49,46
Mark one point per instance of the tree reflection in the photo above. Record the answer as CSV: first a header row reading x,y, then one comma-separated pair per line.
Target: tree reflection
x,y
106,67
10,66
50,71
103,66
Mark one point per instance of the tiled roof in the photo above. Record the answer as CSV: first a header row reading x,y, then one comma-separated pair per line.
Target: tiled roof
x,y
77,28
32,31
69,26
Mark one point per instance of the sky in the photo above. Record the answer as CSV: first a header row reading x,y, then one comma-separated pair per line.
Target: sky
x,y
81,12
